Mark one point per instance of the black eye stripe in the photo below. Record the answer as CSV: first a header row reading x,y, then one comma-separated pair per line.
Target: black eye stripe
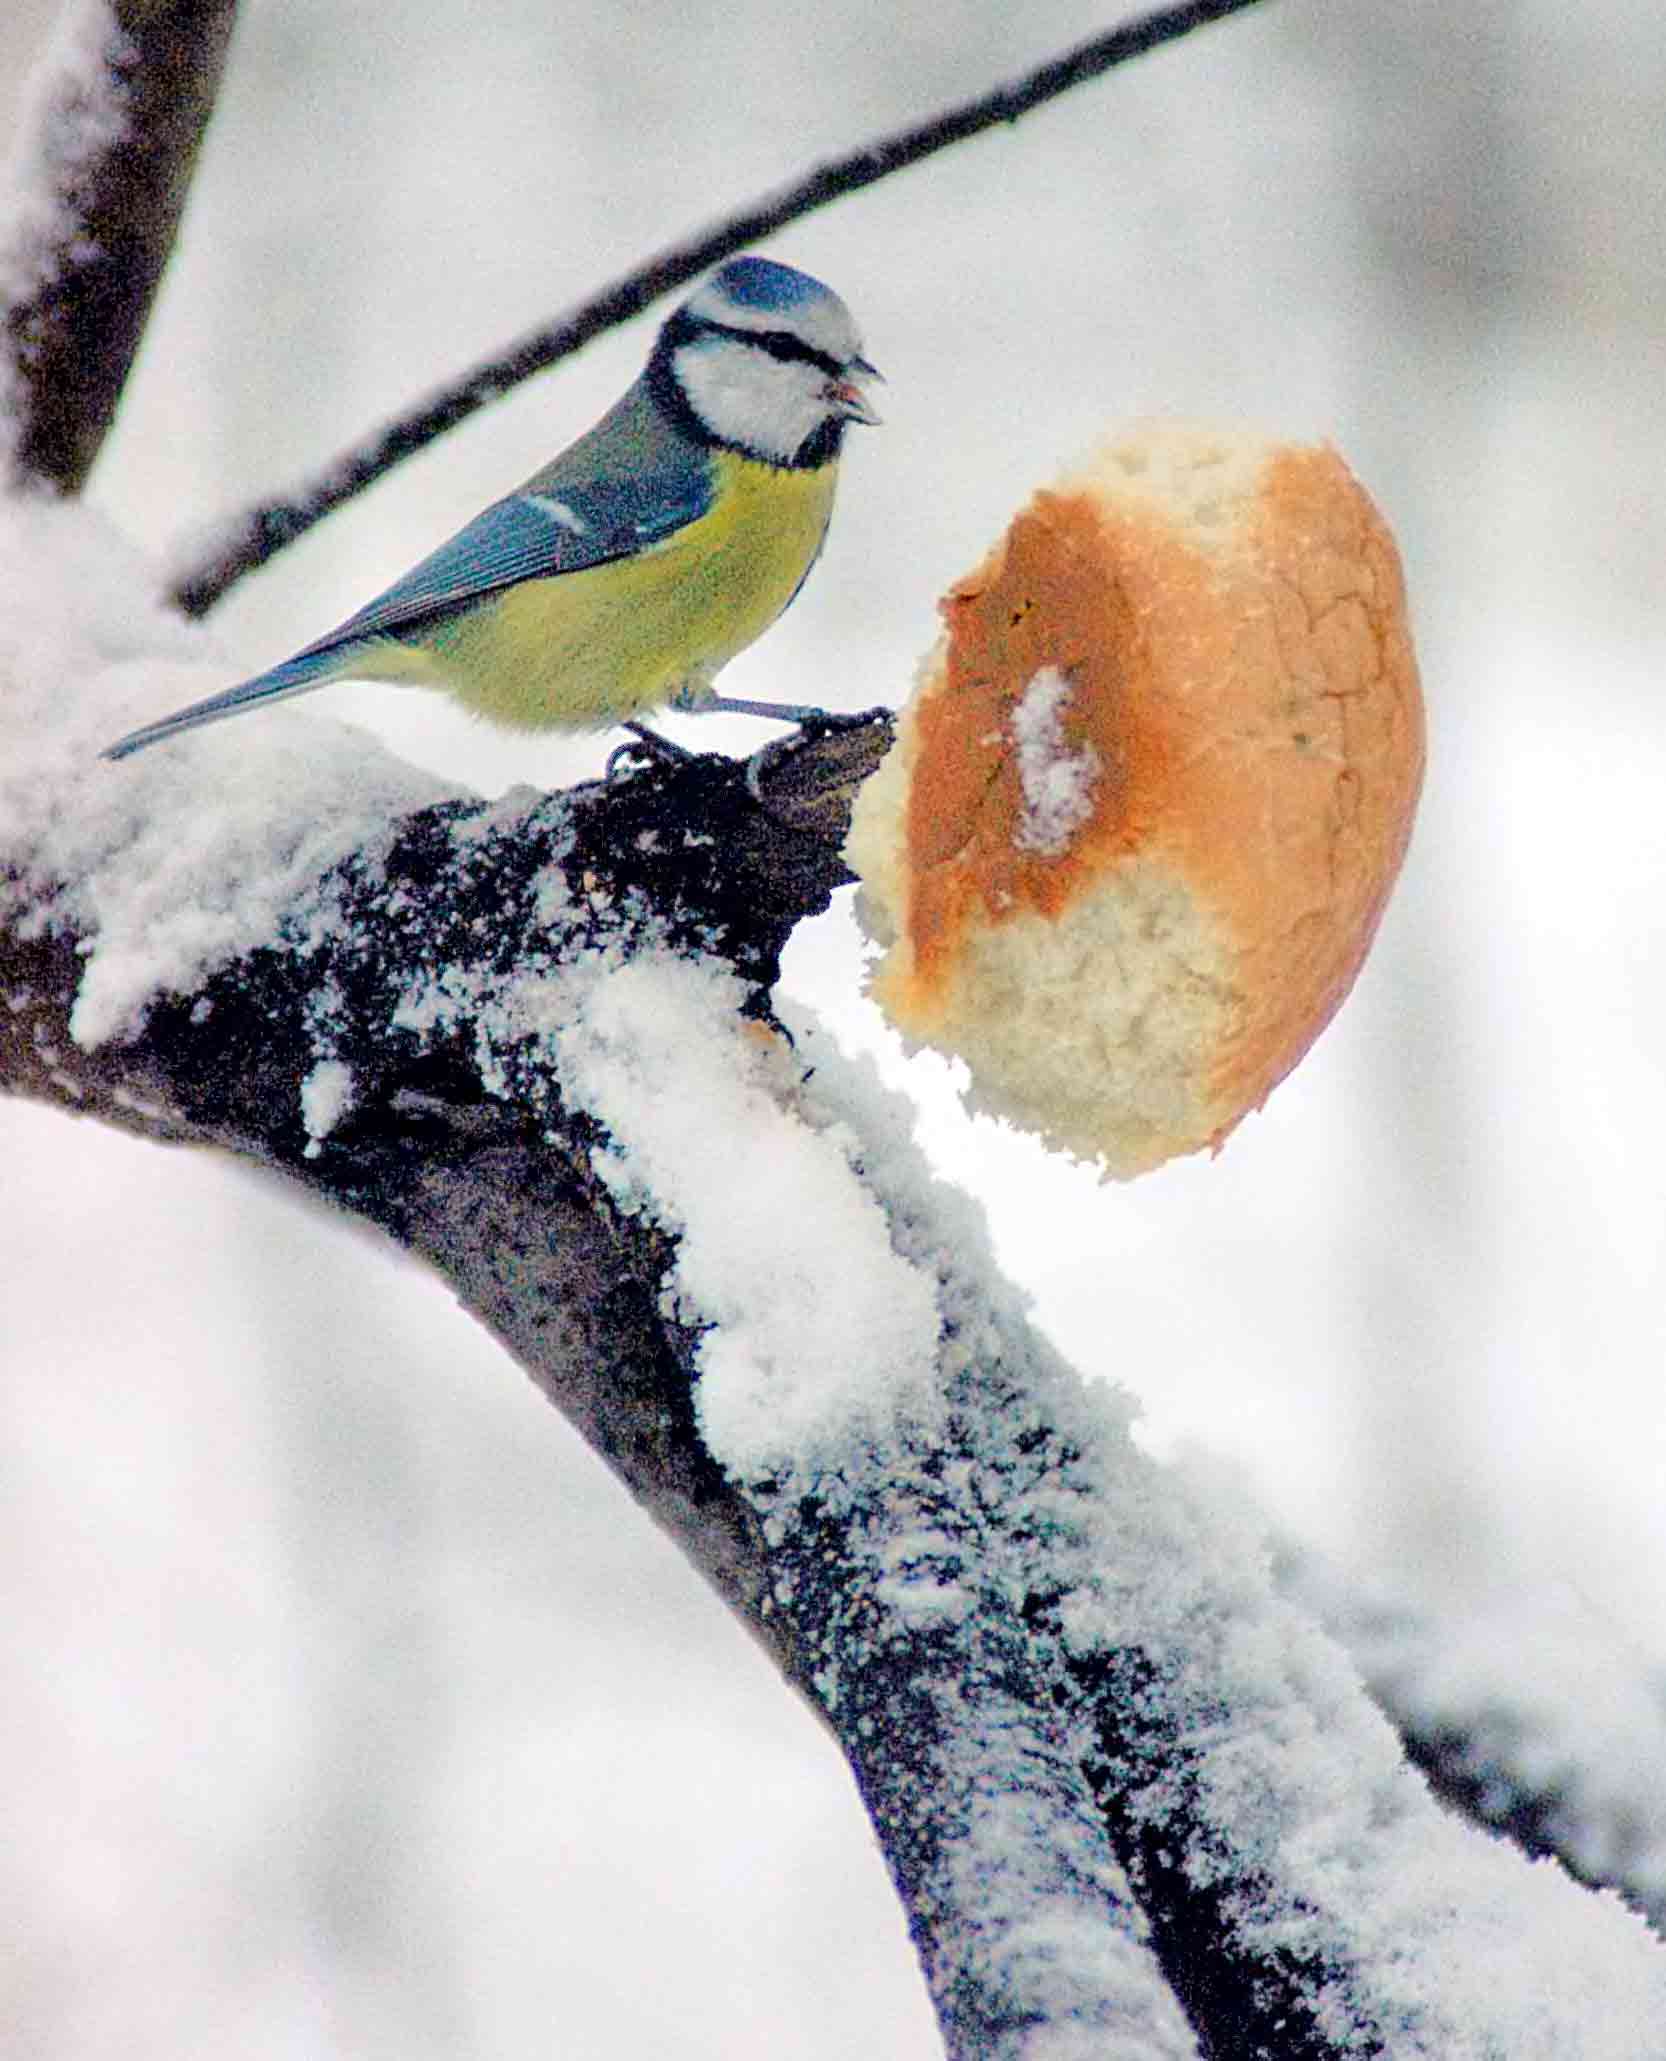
x,y
778,343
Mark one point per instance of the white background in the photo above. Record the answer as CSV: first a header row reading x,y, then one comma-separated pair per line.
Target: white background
x,y
347,1708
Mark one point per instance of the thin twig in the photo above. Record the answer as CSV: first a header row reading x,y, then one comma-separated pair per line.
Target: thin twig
x,y
261,532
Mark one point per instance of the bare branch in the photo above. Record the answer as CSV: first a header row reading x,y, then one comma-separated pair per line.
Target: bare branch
x,y
103,174
260,533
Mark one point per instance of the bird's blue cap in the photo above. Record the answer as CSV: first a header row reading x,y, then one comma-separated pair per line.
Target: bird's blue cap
x,y
762,283
757,293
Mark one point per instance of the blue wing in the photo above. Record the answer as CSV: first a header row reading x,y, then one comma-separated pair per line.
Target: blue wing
x,y
626,485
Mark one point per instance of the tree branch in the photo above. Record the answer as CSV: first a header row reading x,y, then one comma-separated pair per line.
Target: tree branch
x,y
258,534
522,1231
1124,1790
103,172
1529,1714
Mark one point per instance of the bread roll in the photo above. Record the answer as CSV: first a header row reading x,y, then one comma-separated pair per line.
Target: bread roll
x,y
1147,803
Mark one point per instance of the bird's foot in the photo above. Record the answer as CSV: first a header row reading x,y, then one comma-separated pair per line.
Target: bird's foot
x,y
648,743
813,723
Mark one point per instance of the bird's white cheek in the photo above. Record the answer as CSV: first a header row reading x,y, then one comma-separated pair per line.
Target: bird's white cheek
x,y
767,405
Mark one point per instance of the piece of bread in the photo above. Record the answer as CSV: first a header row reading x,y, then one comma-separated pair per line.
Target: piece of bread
x,y
1149,798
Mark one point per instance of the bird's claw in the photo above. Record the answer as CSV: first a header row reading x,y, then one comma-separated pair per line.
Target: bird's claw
x,y
812,723
650,743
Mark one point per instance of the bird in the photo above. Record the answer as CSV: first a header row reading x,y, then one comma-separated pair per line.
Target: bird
x,y
625,573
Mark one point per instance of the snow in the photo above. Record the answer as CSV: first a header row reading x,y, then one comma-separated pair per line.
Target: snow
x,y
1554,1704
820,1334
1059,1939
73,115
1057,783
183,858
858,1348
817,1334
1298,1778
327,1094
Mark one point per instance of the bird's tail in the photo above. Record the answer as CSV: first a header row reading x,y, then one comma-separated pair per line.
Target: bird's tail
x,y
294,676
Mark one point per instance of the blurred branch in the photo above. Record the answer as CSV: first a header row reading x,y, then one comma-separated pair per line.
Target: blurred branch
x,y
100,179
1527,1713
251,539
1492,1781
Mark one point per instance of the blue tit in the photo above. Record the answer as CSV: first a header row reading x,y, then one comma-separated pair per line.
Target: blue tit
x,y
627,572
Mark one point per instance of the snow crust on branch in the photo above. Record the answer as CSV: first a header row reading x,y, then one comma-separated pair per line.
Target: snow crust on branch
x,y
1292,1777
1538,1705
820,1334
1277,1769
183,859
1021,1626
74,112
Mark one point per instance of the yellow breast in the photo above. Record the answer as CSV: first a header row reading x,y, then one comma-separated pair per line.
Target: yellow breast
x,y
589,648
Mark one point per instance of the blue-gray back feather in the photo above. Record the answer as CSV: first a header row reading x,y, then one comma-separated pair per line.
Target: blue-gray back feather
x,y
630,482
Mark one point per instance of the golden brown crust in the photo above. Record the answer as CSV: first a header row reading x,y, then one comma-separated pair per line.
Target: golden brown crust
x,y
1227,617
1336,771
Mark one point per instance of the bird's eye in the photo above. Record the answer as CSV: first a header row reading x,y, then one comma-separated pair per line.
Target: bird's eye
x,y
780,343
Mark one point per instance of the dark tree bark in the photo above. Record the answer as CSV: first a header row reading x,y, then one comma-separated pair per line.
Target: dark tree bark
x,y
1059,1803
121,125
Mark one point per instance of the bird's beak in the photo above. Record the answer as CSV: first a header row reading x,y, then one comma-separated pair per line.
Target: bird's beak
x,y
847,396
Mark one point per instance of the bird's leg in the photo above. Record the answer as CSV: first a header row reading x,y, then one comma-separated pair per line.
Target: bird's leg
x,y
696,696
776,711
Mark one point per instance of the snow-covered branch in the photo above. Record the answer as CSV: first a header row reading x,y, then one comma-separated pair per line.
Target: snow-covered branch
x,y
1535,1716
100,170
1135,1802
